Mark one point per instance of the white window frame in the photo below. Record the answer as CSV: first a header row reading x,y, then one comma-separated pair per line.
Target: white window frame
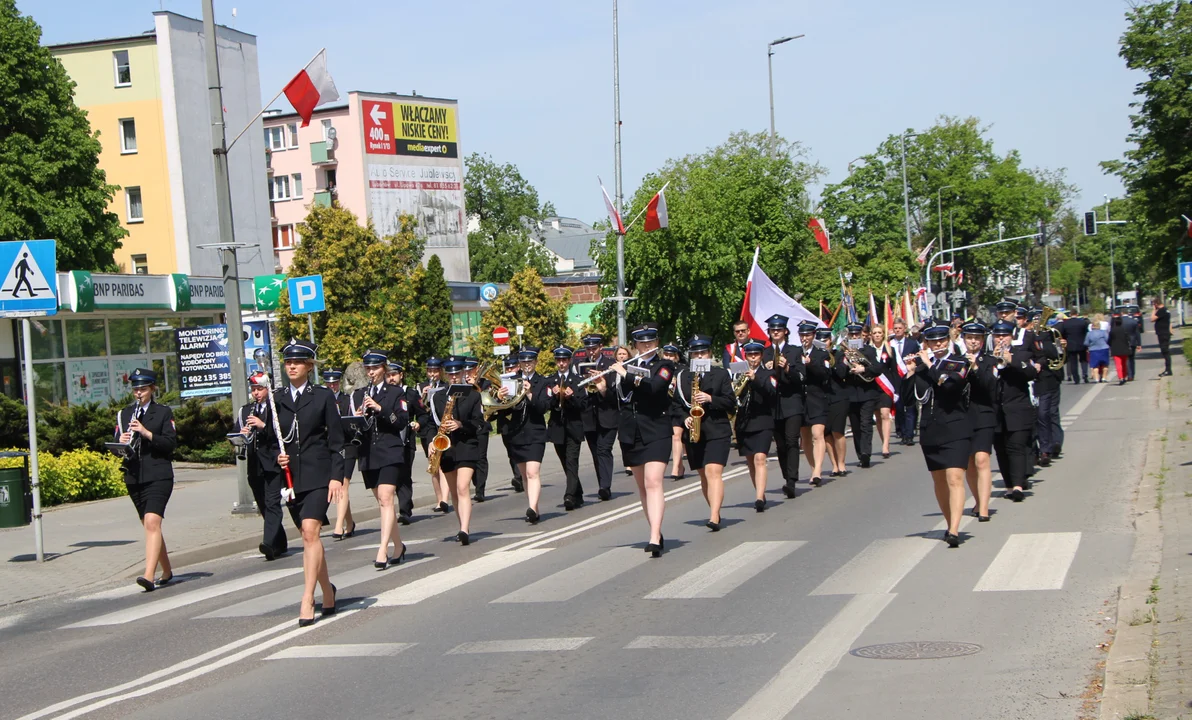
x,y
326,127
292,133
286,230
116,68
276,184
296,186
124,149
138,265
128,192
275,132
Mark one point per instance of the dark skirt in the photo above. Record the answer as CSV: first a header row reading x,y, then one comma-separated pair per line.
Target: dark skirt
x,y
349,467
381,476
837,418
450,464
310,505
815,410
641,453
707,452
527,453
982,441
151,497
954,454
752,443
885,401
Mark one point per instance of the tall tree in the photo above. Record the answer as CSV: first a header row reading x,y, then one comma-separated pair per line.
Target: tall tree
x,y
506,209
370,286
722,204
432,315
50,182
526,303
1157,170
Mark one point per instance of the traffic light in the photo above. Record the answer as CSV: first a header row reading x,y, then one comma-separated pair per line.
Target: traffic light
x,y
1090,223
1042,239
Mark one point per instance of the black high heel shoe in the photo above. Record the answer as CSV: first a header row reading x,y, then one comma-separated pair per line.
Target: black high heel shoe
x,y
382,565
759,505
165,580
442,507
531,516
350,533
146,583
952,540
400,556
713,526
337,536
462,537
331,610
655,550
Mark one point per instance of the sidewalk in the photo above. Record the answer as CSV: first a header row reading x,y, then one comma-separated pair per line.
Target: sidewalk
x,y
1149,668
87,543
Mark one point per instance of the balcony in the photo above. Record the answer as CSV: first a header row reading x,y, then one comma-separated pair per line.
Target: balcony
x,y
273,212
323,198
321,154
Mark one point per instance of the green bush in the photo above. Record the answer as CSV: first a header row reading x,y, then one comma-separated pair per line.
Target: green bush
x,y
14,423
202,431
62,428
76,476
220,453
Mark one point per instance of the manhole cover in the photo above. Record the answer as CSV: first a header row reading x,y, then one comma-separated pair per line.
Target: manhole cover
x,y
916,650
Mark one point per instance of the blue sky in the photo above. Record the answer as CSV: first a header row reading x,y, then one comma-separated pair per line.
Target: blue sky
x,y
534,78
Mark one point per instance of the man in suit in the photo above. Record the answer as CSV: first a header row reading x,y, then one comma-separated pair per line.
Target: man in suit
x,y
733,352
1074,330
906,410
1161,322
785,361
264,475
600,414
565,429
1133,329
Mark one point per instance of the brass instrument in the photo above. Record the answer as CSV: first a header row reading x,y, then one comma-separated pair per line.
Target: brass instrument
x,y
1056,336
697,410
440,443
856,357
490,399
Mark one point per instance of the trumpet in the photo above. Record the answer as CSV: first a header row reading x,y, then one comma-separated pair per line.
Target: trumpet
x,y
697,410
441,442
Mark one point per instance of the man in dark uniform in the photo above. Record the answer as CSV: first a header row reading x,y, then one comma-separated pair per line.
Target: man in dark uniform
x,y
1047,392
396,376
785,361
480,477
1161,322
1016,415
906,410
1074,331
148,429
343,510
264,475
601,414
566,427
863,393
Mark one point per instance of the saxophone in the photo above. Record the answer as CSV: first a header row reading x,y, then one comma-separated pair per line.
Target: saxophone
x,y
697,410
440,443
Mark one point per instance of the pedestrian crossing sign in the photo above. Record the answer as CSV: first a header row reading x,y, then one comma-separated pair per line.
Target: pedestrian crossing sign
x,y
30,284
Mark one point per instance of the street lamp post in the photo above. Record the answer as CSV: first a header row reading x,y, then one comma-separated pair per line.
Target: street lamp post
x,y
770,70
1112,273
939,209
906,201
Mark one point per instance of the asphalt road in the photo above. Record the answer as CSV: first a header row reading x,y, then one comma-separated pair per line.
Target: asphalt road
x,y
575,621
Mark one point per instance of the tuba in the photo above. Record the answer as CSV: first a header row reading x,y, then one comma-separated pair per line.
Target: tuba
x,y
856,357
1056,336
490,399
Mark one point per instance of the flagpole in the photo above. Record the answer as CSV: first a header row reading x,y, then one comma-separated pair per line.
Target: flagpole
x,y
267,105
622,333
647,207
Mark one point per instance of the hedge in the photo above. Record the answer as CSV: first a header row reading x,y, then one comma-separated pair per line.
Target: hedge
x,y
75,475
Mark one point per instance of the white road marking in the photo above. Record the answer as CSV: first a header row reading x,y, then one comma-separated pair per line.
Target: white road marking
x,y
877,568
679,642
792,683
419,541
172,602
291,596
725,573
366,650
1031,561
1083,403
11,619
487,538
131,589
452,578
528,645
571,582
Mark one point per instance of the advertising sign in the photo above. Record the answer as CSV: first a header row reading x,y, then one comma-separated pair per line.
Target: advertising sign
x,y
433,194
258,355
409,128
121,369
203,364
87,381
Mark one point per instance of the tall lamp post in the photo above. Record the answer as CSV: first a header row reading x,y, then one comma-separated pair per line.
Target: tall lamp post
x,y
906,201
770,70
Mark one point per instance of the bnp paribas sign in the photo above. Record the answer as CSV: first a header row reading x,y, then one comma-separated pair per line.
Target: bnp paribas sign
x,y
84,292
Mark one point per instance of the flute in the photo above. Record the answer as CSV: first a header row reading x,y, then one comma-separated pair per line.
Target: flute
x,y
601,374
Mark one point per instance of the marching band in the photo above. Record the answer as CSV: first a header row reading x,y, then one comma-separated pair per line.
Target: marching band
x,y
972,391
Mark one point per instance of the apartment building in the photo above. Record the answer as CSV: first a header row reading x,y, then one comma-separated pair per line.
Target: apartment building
x,y
147,97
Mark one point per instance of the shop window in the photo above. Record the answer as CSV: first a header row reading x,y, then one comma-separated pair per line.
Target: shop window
x,y
49,383
46,338
85,338
128,336
161,335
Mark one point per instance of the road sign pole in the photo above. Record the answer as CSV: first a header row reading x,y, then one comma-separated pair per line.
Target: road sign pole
x,y
32,416
310,326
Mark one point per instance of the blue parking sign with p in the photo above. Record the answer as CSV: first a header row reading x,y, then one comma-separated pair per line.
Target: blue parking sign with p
x,y
306,294
30,285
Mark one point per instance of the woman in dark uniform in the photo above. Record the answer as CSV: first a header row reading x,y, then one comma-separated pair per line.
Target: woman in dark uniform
x,y
645,432
671,352
462,427
818,366
382,454
755,419
944,426
838,406
982,415
343,508
313,438
709,454
148,470
527,428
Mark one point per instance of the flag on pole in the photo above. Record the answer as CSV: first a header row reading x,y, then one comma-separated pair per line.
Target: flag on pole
x,y
613,216
960,277
924,307
820,229
889,316
873,319
311,87
763,298
656,211
922,259
945,268
908,308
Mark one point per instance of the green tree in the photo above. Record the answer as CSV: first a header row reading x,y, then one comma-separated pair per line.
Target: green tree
x,y
432,316
722,204
526,303
50,182
505,207
370,286
1157,169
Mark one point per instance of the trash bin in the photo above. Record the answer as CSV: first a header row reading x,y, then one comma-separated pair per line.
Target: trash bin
x,y
14,507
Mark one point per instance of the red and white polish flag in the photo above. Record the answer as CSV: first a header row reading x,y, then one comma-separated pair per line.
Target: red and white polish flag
x,y
944,268
656,217
820,229
613,216
763,298
311,87
922,259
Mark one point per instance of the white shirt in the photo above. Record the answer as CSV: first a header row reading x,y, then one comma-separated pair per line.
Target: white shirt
x,y
295,391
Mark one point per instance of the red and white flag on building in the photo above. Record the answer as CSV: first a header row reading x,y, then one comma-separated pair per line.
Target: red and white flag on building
x,y
613,216
311,87
922,259
820,230
656,218
763,298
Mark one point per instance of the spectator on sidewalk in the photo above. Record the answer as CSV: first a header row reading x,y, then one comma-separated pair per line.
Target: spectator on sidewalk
x,y
1161,321
1121,343
1097,343
1074,330
1134,335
